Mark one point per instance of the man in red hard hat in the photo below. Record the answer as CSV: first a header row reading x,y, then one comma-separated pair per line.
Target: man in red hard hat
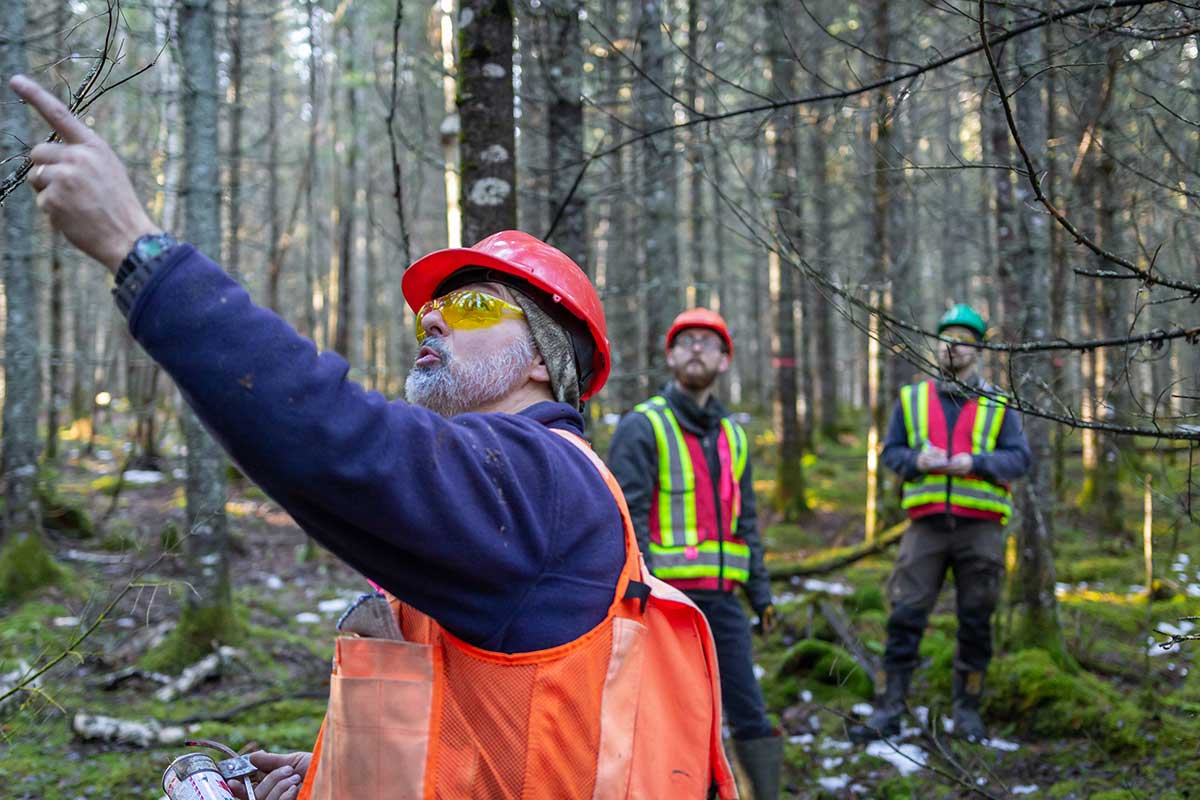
x,y
514,602
683,464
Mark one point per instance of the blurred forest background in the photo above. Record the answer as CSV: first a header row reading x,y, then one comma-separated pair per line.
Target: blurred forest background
x,y
830,176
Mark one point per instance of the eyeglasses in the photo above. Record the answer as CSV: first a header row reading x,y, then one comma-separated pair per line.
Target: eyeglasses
x,y
964,338
468,309
686,341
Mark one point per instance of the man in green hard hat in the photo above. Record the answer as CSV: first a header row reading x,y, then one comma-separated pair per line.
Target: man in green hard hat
x,y
957,447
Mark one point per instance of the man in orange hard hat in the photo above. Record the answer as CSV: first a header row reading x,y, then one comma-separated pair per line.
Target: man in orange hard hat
x,y
513,599
683,464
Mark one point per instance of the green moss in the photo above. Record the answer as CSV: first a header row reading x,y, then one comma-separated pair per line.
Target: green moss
x,y
58,513
169,538
27,566
194,637
828,664
865,598
106,485
1028,689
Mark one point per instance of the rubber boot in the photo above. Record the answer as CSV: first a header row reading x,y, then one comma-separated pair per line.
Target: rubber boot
x,y
885,720
762,761
968,693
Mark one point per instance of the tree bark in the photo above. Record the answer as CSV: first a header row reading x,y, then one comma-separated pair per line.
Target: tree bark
x,y
485,107
22,380
658,190
208,608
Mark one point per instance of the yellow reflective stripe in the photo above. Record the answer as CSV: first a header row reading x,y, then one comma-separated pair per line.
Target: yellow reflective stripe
x,y
983,414
906,394
923,412
707,546
664,475
1001,407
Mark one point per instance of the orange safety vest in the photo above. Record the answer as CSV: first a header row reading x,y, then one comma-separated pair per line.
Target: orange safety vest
x,y
631,709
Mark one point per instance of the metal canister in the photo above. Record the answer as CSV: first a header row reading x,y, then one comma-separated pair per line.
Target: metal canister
x,y
195,777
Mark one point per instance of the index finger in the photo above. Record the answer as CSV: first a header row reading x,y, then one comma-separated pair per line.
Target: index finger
x,y
67,125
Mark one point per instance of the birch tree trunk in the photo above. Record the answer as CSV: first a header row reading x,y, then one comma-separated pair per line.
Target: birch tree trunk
x,y
485,106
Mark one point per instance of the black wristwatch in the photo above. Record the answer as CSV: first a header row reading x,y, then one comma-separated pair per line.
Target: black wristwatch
x,y
137,267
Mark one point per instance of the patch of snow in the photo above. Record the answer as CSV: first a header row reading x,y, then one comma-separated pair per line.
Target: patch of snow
x,y
1184,627
922,714
1193,590
104,455
863,709
802,738
839,589
1025,789
211,559
1001,744
833,783
784,597
142,477
179,473
66,622
906,758
814,722
273,582
759,672
126,622
308,618
334,606
832,762
795,581
835,745
806,696
947,725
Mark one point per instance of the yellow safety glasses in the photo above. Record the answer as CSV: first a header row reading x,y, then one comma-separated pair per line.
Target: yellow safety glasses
x,y
956,337
468,309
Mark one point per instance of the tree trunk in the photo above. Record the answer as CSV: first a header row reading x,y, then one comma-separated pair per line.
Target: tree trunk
x,y
24,562
789,486
1035,608
660,246
485,107
822,308
561,68
208,609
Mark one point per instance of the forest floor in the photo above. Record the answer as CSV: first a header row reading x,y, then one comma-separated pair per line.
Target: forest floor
x,y
1120,721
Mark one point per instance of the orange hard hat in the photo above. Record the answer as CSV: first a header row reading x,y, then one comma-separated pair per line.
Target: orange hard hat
x,y
541,266
701,318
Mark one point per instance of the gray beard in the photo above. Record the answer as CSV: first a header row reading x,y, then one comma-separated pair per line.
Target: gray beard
x,y
455,387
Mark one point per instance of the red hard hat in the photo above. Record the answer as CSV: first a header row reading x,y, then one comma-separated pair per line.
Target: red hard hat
x,y
532,260
701,318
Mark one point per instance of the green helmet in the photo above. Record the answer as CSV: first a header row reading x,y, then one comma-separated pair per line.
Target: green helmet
x,y
964,316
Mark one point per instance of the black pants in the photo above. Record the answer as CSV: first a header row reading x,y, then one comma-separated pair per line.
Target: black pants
x,y
741,698
974,550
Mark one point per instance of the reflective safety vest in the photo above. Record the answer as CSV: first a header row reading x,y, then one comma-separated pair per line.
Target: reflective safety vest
x,y
975,432
693,530
630,709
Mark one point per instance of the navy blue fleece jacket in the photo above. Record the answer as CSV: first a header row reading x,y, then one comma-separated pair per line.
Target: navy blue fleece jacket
x,y
490,523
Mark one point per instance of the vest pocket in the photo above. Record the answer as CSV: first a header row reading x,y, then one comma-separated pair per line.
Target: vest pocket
x,y
376,742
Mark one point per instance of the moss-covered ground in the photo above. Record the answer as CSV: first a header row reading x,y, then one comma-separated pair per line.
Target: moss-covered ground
x,y
1123,724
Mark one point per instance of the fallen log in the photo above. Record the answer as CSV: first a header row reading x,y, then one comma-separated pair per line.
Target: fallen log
x,y
196,674
834,559
144,733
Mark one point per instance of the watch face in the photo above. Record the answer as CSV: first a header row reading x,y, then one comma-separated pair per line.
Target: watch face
x,y
148,247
